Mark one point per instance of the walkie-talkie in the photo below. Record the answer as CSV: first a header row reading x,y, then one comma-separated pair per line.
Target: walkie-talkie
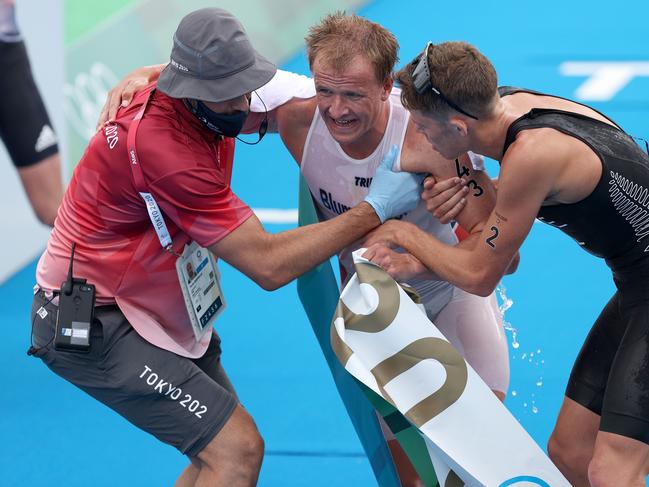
x,y
76,313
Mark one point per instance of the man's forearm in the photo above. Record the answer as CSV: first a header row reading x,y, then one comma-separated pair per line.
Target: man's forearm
x,y
470,243
297,251
451,263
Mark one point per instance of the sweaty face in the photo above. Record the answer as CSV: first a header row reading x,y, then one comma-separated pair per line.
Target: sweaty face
x,y
352,102
439,135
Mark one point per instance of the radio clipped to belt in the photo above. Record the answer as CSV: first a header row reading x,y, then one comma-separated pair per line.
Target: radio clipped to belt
x,y
197,271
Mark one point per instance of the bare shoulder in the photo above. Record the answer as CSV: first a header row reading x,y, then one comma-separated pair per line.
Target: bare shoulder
x,y
537,150
293,122
417,155
296,113
533,165
567,166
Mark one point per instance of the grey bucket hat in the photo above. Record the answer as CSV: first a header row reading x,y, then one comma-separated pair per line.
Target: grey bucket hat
x,y
212,59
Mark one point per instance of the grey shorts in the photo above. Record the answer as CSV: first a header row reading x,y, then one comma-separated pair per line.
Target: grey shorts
x,y
183,402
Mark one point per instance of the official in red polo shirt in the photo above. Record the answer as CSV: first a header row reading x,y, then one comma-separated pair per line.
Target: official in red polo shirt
x,y
149,209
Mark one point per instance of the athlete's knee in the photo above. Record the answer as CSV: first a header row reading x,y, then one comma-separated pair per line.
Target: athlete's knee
x,y
572,459
554,450
600,476
250,448
618,461
247,450
604,473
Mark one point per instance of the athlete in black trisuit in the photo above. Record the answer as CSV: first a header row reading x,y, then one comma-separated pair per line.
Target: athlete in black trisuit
x,y
574,169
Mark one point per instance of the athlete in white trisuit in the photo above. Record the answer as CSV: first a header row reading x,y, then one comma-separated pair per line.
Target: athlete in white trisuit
x,y
339,181
338,126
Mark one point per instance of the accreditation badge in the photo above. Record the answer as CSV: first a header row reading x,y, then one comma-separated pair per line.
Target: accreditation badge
x,y
199,280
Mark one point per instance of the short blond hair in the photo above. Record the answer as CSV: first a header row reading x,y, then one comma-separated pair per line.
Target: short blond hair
x,y
461,73
339,38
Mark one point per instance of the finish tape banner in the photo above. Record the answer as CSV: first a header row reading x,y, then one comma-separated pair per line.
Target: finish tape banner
x,y
382,338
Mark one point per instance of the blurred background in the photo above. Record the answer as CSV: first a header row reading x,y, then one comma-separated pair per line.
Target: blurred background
x,y
51,434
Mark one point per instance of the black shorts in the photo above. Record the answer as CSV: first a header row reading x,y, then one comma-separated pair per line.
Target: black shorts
x,y
25,127
611,374
183,402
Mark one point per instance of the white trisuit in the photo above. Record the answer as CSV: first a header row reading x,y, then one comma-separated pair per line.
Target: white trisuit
x,y
473,324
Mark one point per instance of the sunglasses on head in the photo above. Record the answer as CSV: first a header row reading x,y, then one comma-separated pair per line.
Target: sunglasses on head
x,y
423,83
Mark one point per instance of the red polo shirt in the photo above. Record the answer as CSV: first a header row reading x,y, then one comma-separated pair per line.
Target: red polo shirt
x,y
187,169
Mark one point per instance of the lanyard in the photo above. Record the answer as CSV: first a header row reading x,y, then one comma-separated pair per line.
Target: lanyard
x,y
155,215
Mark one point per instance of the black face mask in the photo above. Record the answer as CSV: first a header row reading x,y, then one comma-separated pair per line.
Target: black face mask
x,y
225,125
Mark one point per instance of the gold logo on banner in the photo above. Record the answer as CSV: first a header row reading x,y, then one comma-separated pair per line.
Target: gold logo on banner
x,y
429,348
418,351
385,312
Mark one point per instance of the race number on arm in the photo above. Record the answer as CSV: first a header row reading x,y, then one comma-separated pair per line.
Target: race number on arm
x,y
528,176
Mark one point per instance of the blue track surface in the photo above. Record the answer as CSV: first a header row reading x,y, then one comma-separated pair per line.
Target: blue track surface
x,y
52,434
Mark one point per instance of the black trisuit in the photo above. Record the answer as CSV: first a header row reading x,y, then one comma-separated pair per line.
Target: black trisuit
x,y
611,374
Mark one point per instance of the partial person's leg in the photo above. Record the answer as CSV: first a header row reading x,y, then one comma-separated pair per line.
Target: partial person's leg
x,y
44,187
622,446
27,132
473,324
572,442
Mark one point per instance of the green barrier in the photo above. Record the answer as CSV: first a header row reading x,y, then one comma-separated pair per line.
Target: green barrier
x,y
318,292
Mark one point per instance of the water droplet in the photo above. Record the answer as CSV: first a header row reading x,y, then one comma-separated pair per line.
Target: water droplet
x,y
538,350
514,393
524,356
524,404
542,361
532,354
535,409
539,383
507,303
